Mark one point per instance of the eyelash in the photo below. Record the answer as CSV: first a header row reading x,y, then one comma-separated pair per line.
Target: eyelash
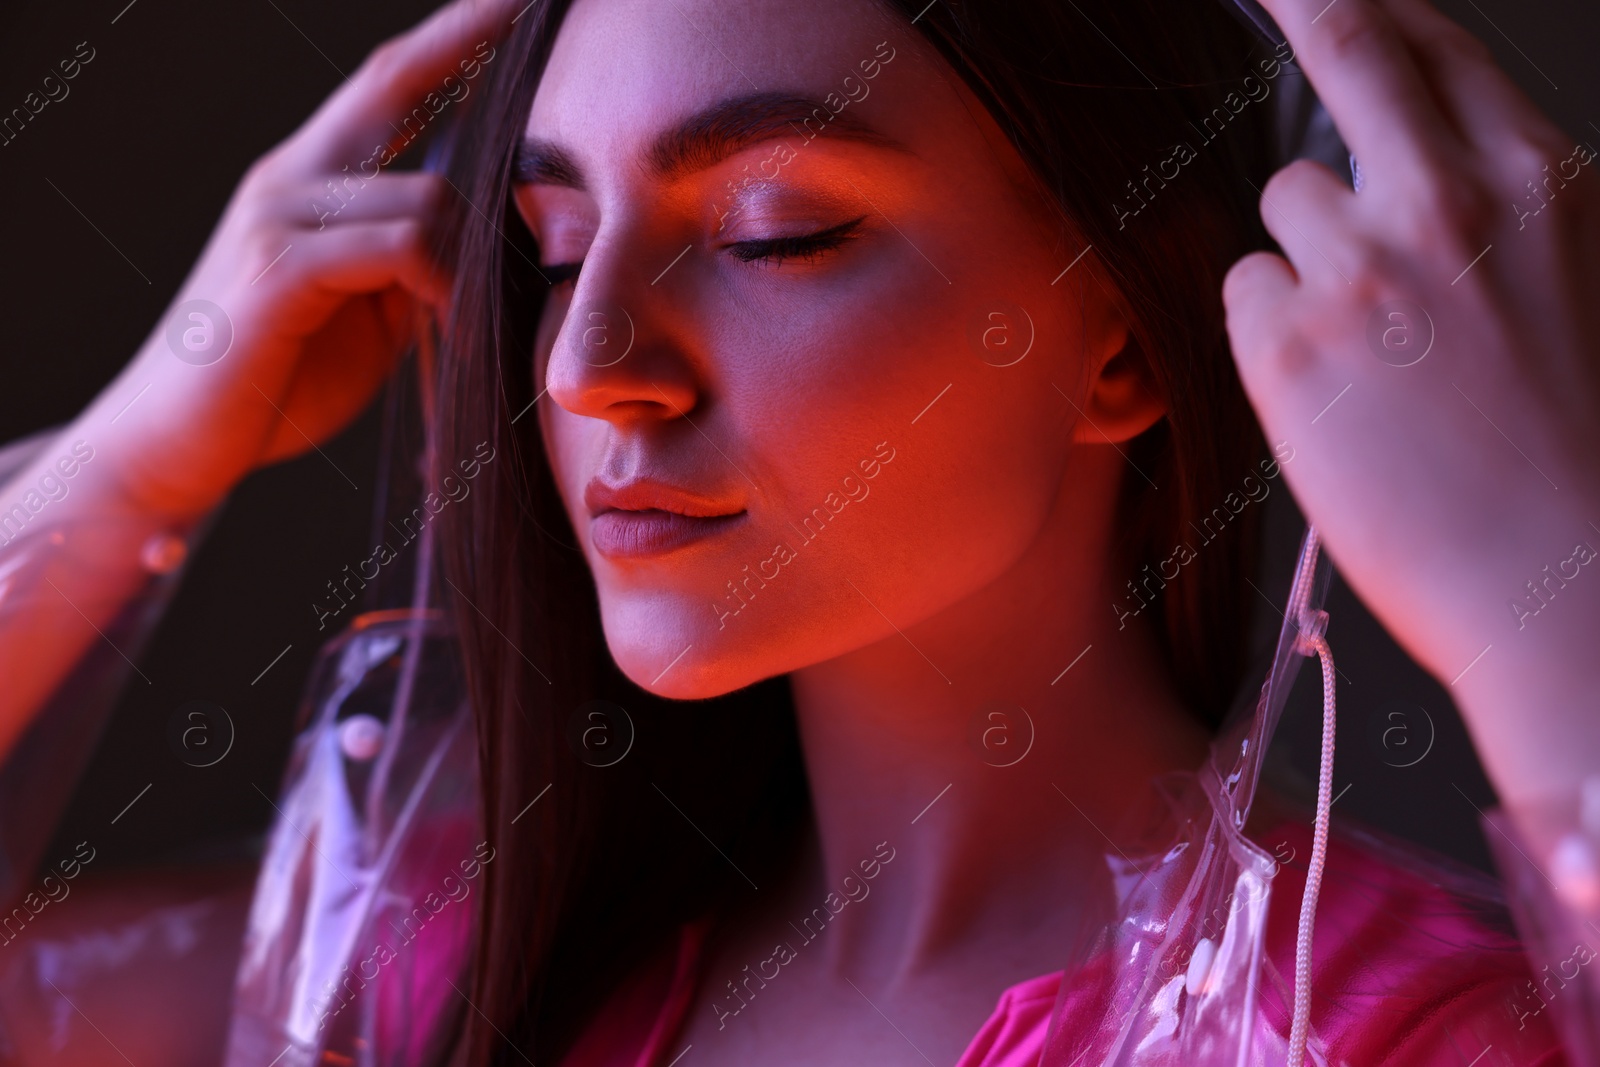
x,y
775,250
805,246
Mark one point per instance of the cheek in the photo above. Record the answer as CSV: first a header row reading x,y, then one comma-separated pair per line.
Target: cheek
x,y
562,437
567,449
978,448
550,320
560,430
976,455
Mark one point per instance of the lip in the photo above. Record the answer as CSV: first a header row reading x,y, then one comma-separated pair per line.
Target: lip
x,y
646,494
619,534
649,517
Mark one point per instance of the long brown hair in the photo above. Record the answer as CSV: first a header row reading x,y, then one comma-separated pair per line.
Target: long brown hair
x,y
602,868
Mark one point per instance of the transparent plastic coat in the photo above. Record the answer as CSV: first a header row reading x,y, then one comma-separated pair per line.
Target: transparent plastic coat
x,y
1178,965
1414,960
361,928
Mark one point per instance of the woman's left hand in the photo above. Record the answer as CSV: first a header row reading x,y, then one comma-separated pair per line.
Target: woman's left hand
x,y
1431,349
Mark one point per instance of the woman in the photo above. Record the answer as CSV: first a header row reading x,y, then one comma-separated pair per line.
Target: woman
x,y
785,436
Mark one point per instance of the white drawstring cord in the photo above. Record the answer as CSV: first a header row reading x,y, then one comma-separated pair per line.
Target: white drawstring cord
x,y
1312,626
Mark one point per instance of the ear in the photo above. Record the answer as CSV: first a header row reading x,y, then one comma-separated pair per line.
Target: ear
x,y
1120,403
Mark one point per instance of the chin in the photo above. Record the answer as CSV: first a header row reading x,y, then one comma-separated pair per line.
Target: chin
x,y
672,648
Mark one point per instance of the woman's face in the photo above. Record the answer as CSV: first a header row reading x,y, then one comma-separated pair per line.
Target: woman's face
x,y
839,334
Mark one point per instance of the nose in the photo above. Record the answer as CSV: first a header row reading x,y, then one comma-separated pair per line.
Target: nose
x,y
621,352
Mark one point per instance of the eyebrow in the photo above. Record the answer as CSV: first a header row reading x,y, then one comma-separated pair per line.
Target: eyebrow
x,y
709,136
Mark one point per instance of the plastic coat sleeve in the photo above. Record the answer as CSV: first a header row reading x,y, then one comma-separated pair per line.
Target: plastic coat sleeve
x,y
40,774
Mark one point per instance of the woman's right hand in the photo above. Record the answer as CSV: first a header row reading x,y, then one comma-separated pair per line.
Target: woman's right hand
x,y
318,284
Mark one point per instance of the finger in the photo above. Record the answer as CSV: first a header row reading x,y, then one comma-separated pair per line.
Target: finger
x,y
1255,294
360,257
1486,106
345,199
1306,210
346,367
380,105
1363,74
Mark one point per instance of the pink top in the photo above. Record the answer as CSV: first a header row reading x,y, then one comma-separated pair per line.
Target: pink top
x,y
1407,972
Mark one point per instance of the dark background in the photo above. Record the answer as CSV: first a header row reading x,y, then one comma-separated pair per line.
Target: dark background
x,y
180,98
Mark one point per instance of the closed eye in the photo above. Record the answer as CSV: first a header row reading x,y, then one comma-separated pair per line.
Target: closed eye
x,y
805,246
772,250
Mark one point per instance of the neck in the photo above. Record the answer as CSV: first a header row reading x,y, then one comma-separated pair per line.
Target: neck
x,y
991,747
